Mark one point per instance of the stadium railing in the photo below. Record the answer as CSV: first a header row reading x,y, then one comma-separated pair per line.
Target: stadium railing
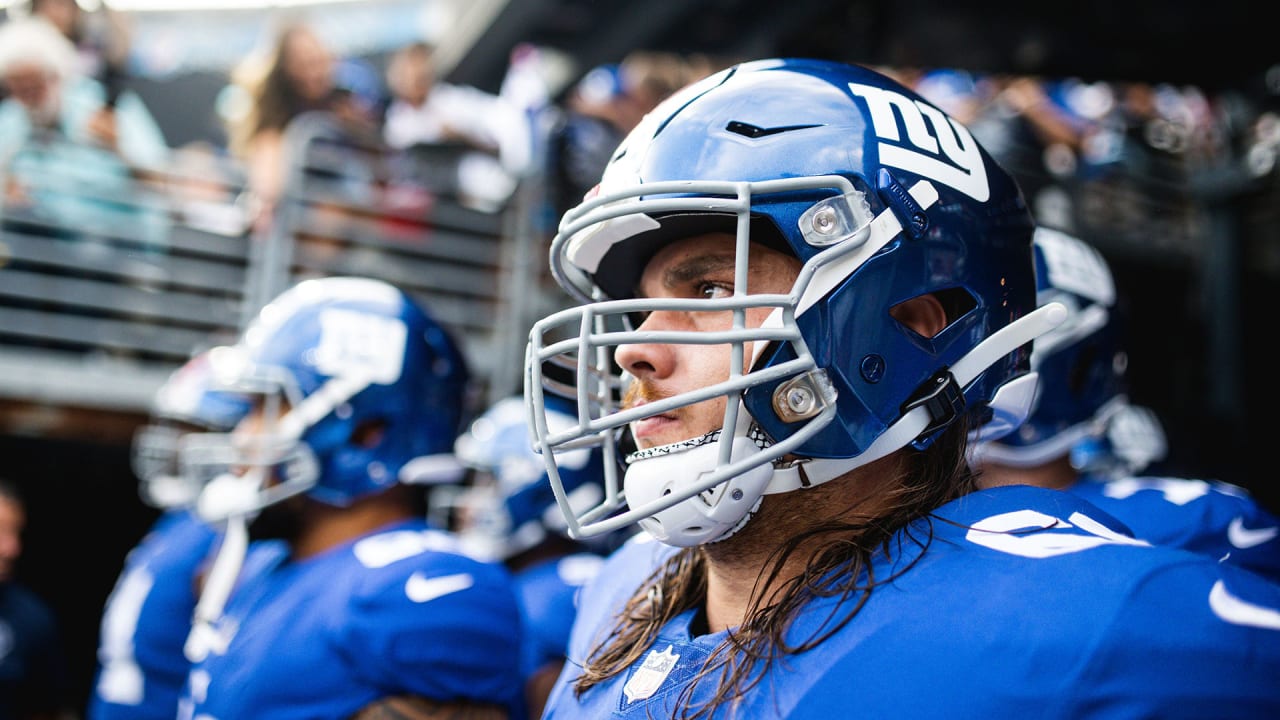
x,y
96,310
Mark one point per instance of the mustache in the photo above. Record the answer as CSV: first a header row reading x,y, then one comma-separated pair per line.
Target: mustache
x,y
640,392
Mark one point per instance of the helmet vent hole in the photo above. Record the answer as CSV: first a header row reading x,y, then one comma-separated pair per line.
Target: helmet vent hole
x,y
755,131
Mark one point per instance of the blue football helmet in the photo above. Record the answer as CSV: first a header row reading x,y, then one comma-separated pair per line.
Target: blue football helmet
x,y
187,402
1134,439
509,506
356,388
883,198
1081,406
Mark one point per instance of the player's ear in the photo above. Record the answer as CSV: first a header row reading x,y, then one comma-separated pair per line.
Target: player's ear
x,y
923,314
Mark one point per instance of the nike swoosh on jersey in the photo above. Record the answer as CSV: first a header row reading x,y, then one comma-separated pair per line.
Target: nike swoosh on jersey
x,y
421,588
1236,611
1243,537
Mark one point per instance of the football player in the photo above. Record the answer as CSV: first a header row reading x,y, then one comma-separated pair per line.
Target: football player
x,y
147,616
809,286
1085,437
358,396
507,511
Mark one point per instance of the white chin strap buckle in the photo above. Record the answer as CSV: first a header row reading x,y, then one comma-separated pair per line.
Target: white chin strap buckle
x,y
227,496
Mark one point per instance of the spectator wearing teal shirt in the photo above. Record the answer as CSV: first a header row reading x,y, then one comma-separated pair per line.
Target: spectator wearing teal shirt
x,y
68,156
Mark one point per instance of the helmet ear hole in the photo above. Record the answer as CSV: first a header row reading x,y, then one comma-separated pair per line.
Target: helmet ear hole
x,y
954,303
369,434
923,314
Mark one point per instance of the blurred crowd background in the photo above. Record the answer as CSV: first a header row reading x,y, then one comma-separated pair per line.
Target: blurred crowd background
x,y
164,173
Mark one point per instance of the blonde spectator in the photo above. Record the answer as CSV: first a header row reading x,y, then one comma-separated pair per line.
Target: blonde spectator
x,y
297,77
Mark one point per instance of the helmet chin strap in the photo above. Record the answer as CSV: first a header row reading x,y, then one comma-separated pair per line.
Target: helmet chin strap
x,y
204,637
708,510
908,427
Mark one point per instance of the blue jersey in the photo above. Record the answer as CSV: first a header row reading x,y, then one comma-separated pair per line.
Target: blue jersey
x,y
1027,603
141,668
548,593
397,612
1212,518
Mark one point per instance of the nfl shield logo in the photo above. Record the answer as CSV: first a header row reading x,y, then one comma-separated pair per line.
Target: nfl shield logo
x,y
648,678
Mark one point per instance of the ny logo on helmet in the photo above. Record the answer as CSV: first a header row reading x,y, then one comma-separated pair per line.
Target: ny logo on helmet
x,y
936,147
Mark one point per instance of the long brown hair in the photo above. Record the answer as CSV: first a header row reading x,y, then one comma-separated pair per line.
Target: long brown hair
x,y
275,99
844,551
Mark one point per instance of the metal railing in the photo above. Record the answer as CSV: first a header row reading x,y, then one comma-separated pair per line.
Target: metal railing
x,y
99,305
109,279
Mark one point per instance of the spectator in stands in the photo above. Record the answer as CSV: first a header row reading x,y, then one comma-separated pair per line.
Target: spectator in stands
x,y
425,110
33,670
594,121
297,77
100,36
456,138
359,99
67,156
1021,122
606,103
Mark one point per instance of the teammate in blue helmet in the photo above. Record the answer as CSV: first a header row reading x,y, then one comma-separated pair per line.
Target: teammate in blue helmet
x,y
147,616
1085,437
358,395
803,288
509,508
508,512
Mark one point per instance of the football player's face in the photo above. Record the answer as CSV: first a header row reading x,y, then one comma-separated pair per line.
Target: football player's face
x,y
259,453
696,267
254,435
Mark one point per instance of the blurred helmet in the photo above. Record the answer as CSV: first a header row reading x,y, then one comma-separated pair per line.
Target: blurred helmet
x,y
1081,399
187,402
1133,440
509,507
355,387
602,84
883,198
